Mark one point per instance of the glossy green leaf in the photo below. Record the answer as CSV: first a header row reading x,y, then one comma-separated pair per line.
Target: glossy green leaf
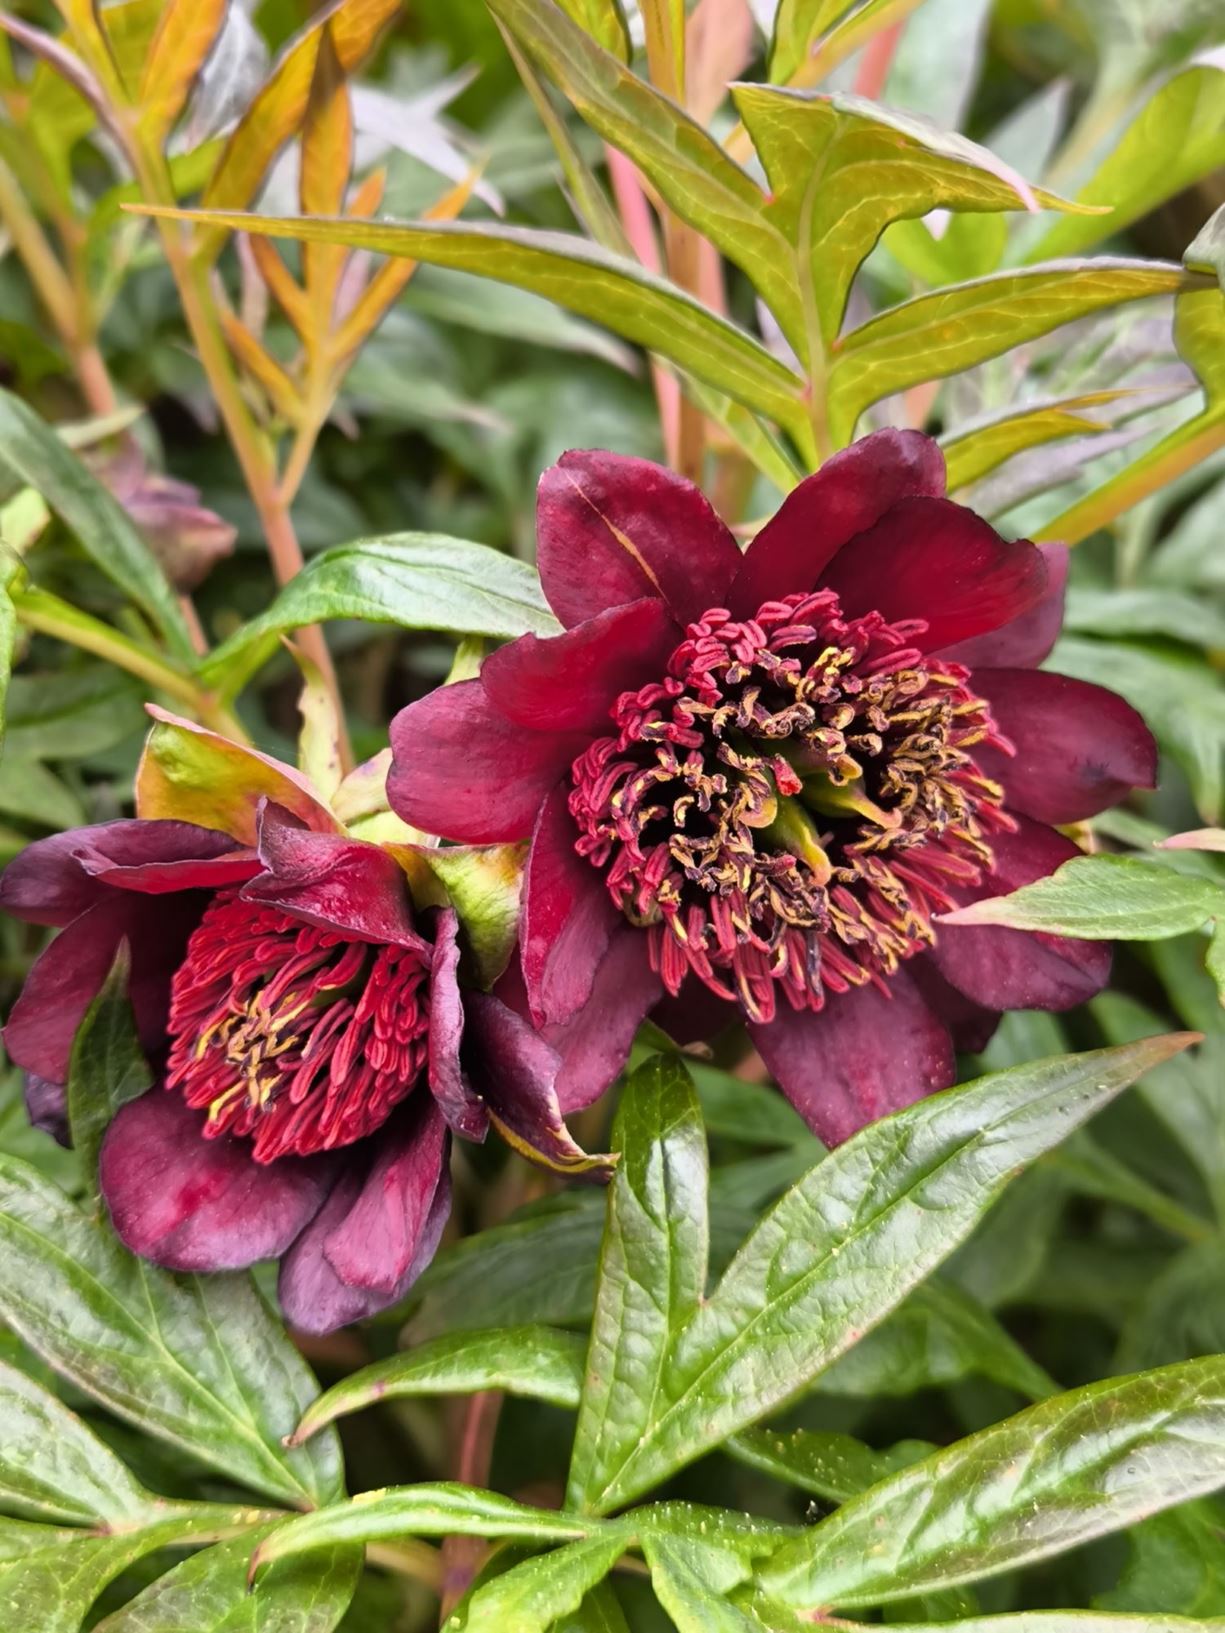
x,y
823,1463
533,1596
798,24
1107,898
1073,1468
600,1612
839,1252
690,1590
953,329
605,21
209,1593
108,1066
538,1362
652,1271
414,580
198,1362
1177,137
1065,1621
32,453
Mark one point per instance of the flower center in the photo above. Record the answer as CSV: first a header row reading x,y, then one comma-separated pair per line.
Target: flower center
x,y
789,805
291,1034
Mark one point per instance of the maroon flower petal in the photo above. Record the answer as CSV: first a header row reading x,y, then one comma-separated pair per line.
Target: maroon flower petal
x,y
851,492
568,916
194,1204
595,1042
47,1107
695,1015
346,885
461,769
464,1111
1020,969
1023,642
570,682
1080,747
515,1071
610,529
865,1054
971,1026
55,879
935,560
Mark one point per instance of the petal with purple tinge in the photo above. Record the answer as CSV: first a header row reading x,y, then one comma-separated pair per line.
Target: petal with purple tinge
x,y
1024,641
464,1111
47,1107
850,493
345,885
463,770
936,560
379,1228
1080,747
568,917
189,1203
595,1042
971,1026
55,879
865,1054
1020,969
611,529
570,682
515,1072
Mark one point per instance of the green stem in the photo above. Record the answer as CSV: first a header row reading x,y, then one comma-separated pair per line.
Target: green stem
x,y
46,614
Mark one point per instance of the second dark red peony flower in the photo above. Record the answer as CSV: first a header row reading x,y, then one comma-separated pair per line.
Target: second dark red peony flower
x,y
760,779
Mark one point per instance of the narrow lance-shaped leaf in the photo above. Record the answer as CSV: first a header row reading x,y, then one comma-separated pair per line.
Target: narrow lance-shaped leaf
x,y
1076,1467
973,452
185,35
605,21
798,24
326,161
1105,898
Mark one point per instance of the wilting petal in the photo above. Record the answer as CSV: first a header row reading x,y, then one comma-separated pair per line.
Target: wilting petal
x,y
570,682
850,493
68,975
933,559
970,1025
55,879
610,529
464,1111
194,1204
345,885
865,1054
1020,969
515,1072
463,770
1080,748
568,916
47,1107
379,1228
1023,642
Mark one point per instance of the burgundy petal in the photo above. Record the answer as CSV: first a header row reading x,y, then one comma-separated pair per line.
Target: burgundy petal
x,y
1080,748
595,1042
971,1026
695,1015
341,884
194,1204
464,1111
55,879
850,493
568,916
570,682
515,1072
379,1229
865,1054
1020,969
610,529
462,770
1023,642
47,1107
935,560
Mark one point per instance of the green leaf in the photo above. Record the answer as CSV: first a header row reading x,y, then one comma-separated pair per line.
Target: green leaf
x,y
1104,898
1177,137
842,168
537,1362
198,1362
1176,1561
32,453
72,713
108,1067
797,26
580,276
600,1612
33,793
208,1593
973,454
823,1463
1073,1468
605,21
532,1596
483,884
953,329
652,1271
53,1468
842,1249
1145,611
1063,1621
413,580
690,1591
12,570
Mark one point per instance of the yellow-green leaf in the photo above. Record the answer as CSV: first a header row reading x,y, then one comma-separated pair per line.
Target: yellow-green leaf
x,y
972,453
185,35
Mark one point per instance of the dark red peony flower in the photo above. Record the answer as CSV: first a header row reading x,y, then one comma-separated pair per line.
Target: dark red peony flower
x,y
765,776
313,1046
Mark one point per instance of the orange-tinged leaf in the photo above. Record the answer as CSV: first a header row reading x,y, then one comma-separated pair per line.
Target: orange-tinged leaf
x,y
185,36
189,774
130,28
327,160
280,107
368,194
285,288
277,384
